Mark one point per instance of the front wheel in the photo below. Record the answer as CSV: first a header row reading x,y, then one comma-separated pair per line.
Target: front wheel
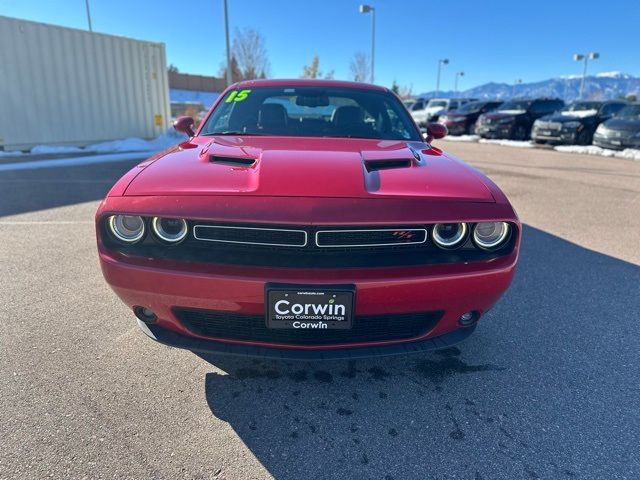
x,y
585,137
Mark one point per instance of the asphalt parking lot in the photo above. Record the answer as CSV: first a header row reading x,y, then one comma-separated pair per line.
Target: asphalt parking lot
x,y
548,386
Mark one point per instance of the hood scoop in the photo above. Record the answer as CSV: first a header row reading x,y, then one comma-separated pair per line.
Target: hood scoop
x,y
233,161
386,164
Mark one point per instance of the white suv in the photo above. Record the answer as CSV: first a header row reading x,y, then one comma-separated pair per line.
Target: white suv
x,y
424,111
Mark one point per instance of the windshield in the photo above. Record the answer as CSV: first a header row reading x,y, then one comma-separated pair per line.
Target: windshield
x,y
437,103
514,105
311,112
578,106
631,111
471,107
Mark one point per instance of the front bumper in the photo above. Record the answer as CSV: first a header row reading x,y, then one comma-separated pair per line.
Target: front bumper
x,y
456,128
611,143
199,345
164,285
497,131
560,137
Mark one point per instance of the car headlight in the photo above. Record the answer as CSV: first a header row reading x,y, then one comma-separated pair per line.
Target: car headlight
x,y
571,125
450,235
170,230
601,129
506,120
537,123
490,235
126,228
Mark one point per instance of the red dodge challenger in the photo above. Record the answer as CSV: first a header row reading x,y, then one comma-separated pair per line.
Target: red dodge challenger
x,y
307,219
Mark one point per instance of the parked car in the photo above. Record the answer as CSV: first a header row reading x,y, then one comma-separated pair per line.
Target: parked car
x,y
425,111
514,119
408,103
574,124
463,120
336,234
622,131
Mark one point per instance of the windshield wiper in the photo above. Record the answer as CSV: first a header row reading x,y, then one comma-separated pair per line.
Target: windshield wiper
x,y
233,132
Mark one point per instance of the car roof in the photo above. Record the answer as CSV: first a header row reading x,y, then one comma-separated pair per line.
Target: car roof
x,y
307,82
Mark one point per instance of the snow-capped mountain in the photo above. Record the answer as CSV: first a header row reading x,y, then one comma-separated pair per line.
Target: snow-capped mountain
x,y
602,86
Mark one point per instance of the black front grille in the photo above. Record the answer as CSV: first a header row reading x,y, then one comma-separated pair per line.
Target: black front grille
x,y
251,235
370,237
237,326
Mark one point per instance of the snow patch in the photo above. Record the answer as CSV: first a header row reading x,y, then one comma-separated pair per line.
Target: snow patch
x,y
629,153
508,143
615,74
205,98
462,138
12,153
578,113
511,112
54,149
166,140
138,144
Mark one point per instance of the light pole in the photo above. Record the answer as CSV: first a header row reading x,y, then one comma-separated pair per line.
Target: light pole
x,y
229,78
517,81
372,10
458,74
88,15
442,61
579,57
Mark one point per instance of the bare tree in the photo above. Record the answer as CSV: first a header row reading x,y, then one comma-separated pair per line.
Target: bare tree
x,y
250,53
313,70
360,67
236,74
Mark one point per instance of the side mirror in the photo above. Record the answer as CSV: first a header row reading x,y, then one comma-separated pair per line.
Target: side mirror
x,y
436,131
184,125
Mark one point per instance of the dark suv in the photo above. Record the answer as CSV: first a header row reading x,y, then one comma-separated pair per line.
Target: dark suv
x,y
514,119
575,124
464,119
621,131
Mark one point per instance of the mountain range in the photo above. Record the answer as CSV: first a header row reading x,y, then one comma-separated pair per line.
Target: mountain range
x,y
602,86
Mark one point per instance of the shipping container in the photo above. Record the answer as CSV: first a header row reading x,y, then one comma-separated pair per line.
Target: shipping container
x,y
63,86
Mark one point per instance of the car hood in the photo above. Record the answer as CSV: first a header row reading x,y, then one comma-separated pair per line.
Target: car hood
x,y
623,124
570,117
309,167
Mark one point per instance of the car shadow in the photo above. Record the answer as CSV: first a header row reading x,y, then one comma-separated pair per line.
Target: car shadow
x,y
544,389
23,191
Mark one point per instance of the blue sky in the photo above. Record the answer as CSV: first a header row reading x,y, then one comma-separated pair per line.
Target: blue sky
x,y
490,40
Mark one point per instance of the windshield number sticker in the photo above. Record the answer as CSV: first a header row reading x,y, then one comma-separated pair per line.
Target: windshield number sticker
x,y
238,96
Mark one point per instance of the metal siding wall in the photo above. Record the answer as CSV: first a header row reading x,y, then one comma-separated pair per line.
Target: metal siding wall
x,y
66,86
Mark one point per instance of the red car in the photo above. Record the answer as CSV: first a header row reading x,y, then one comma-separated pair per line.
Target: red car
x,y
307,219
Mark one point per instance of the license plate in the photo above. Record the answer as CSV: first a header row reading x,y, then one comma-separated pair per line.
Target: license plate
x,y
309,308
616,142
546,132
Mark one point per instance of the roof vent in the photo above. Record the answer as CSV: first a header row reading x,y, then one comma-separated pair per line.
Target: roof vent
x,y
375,165
237,161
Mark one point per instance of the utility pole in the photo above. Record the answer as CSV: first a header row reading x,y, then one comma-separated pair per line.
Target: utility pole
x,y
517,81
458,74
372,10
442,61
579,57
229,78
86,2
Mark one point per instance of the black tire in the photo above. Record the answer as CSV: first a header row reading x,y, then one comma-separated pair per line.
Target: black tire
x,y
539,142
519,133
585,137
471,129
